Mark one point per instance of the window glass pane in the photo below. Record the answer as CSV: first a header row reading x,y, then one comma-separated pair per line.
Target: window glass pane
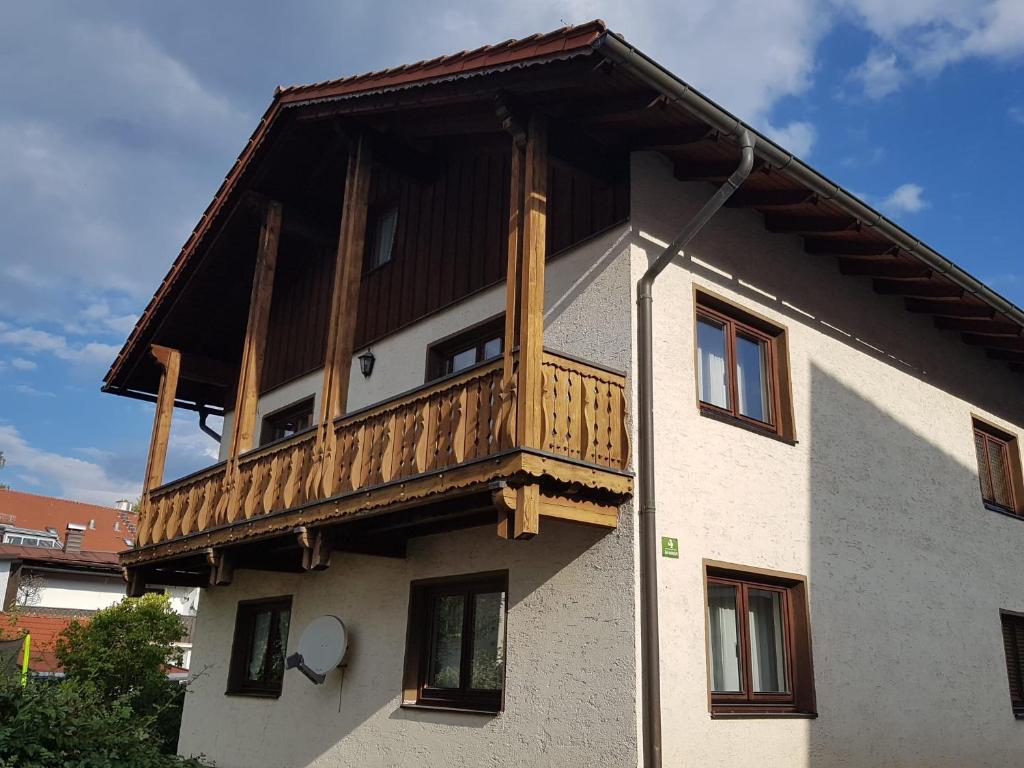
x,y
487,671
767,643
258,648
275,667
463,360
492,348
752,378
712,373
385,242
984,474
724,639
445,641
1000,486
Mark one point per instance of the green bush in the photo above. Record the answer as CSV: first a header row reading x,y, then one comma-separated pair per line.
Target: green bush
x,y
71,724
115,705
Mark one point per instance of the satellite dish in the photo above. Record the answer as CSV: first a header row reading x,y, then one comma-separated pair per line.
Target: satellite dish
x,y
321,648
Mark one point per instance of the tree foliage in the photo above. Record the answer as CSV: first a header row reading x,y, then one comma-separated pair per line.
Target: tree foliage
x,y
115,706
124,652
72,724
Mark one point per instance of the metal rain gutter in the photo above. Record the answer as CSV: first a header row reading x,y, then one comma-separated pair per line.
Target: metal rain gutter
x,y
649,631
653,74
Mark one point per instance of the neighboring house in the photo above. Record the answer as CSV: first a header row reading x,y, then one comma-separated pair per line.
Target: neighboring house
x,y
451,462
58,563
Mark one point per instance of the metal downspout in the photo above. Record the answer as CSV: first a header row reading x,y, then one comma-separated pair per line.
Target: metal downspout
x,y
649,634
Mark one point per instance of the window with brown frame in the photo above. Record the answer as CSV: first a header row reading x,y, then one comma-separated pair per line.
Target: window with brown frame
x,y
999,471
455,651
382,229
287,421
465,349
742,368
1013,643
258,650
759,651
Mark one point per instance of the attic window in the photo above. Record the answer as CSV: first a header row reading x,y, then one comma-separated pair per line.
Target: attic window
x,y
384,228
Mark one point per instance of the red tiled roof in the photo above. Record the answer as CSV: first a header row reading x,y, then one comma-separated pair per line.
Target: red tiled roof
x,y
44,631
43,555
29,510
537,47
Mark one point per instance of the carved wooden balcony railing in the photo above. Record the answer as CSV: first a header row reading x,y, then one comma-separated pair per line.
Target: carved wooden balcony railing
x,y
441,437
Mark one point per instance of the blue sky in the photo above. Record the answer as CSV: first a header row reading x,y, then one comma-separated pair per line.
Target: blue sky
x,y
120,119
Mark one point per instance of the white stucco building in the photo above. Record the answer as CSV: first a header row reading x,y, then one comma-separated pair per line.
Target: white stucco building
x,y
451,462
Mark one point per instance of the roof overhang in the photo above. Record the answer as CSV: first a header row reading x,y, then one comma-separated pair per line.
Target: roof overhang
x,y
797,199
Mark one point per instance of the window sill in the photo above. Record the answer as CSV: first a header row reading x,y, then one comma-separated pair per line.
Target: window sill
x,y
443,708
764,715
254,694
1003,511
726,418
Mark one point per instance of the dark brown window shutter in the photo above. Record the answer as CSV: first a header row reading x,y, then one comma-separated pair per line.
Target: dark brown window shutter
x,y
1013,643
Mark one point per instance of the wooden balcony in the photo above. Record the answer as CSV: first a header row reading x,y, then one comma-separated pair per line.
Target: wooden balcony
x,y
452,439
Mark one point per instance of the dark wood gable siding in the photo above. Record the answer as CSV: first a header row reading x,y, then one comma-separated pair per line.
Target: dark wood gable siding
x,y
297,332
451,240
453,232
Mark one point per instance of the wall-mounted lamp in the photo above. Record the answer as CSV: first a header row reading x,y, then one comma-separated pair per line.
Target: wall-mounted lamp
x,y
366,361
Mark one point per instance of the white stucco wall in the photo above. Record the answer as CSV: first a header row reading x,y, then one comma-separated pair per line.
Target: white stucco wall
x,y
878,505
569,679
85,593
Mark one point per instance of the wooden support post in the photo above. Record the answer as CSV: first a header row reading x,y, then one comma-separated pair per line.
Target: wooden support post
x,y
316,548
524,319
136,583
348,270
247,398
221,569
170,361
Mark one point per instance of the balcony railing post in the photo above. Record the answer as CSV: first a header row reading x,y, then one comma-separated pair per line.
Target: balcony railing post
x,y
524,318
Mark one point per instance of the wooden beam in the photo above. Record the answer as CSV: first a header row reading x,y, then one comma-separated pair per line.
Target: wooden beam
x,y
836,247
206,370
948,308
718,170
170,363
769,198
221,568
1005,354
136,583
783,224
244,424
986,326
316,548
886,266
580,511
994,342
658,139
925,288
348,270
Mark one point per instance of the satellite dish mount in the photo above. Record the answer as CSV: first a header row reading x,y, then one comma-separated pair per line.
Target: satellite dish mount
x,y
322,647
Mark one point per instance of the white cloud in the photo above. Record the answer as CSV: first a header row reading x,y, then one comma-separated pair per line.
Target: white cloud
x,y
35,341
797,137
1016,114
76,479
22,364
906,198
879,75
25,389
930,35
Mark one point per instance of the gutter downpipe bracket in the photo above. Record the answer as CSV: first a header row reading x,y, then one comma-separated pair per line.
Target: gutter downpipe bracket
x,y
649,632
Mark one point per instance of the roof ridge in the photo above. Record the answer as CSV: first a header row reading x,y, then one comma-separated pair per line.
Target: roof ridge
x,y
60,499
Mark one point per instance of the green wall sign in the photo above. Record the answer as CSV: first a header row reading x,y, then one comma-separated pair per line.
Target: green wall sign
x,y
669,547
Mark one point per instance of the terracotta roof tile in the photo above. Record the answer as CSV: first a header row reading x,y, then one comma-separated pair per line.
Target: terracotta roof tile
x,y
29,510
44,631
